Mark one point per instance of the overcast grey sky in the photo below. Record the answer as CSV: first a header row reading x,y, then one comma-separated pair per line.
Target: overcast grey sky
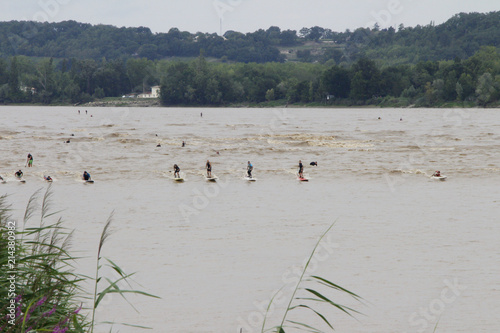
x,y
243,15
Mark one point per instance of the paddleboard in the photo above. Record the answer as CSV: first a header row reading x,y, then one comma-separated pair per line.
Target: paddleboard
x,y
179,179
303,179
89,181
439,178
211,179
250,179
22,181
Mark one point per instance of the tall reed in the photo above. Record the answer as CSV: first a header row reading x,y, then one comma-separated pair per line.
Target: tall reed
x,y
47,289
315,297
48,293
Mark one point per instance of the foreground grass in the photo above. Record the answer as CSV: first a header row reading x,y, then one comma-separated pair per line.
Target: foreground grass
x,y
37,278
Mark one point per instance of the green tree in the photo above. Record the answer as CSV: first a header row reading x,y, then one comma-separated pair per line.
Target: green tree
x,y
14,91
485,89
365,82
139,72
467,84
46,86
336,81
176,87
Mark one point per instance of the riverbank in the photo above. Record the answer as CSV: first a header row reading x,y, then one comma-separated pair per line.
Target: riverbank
x,y
375,103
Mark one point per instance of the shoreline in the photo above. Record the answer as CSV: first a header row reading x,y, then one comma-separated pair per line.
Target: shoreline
x,y
263,105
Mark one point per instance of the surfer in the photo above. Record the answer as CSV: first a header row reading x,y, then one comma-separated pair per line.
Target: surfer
x,y
176,171
29,161
184,143
19,174
301,169
201,114
249,169
209,169
158,145
314,163
86,176
48,178
1,179
67,141
437,174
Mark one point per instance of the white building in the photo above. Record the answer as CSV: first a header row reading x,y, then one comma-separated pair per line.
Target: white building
x,y
155,93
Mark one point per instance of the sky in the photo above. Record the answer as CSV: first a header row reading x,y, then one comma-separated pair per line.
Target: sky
x,y
243,15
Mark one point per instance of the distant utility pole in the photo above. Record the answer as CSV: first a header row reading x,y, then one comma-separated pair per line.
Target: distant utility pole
x,y
221,26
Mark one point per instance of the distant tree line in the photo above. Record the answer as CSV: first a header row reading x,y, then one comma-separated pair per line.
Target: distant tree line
x,y
428,83
70,39
461,36
475,80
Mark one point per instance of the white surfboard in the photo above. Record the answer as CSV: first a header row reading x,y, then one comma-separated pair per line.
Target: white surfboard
x,y
442,177
250,179
211,179
180,179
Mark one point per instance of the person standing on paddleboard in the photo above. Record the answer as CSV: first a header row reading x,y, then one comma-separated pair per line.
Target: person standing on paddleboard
x,y
86,176
29,161
249,169
176,171
301,169
209,169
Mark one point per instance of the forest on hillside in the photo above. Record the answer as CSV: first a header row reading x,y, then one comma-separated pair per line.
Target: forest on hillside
x,y
454,63
468,82
461,36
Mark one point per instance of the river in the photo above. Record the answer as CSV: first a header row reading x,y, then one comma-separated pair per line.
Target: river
x,y
419,251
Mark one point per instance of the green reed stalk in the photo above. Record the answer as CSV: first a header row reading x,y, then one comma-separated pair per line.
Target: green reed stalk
x,y
317,297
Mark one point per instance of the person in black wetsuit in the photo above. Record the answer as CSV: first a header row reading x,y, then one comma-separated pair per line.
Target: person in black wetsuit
x,y
209,169
176,171
19,174
301,169
86,176
314,163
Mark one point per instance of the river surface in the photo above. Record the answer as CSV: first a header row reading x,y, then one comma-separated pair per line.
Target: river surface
x,y
418,251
